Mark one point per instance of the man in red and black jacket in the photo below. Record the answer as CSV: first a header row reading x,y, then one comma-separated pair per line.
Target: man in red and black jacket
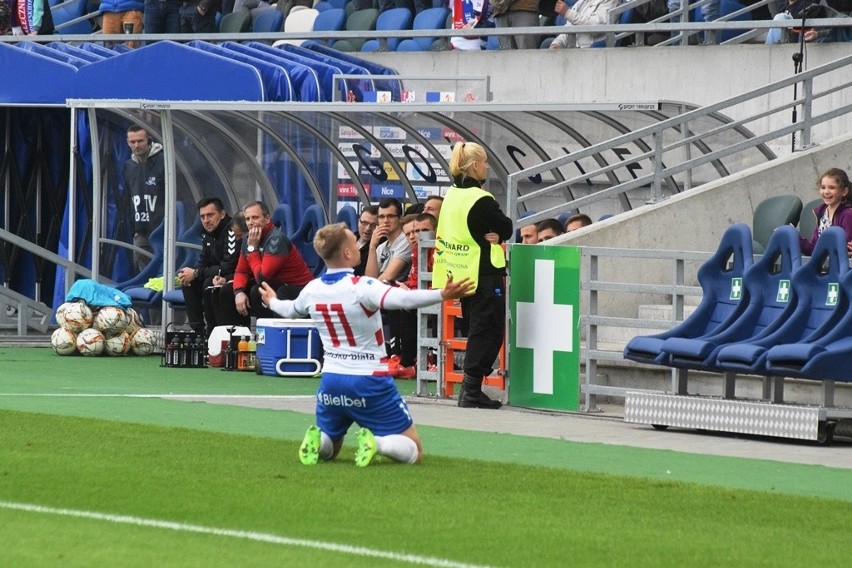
x,y
267,256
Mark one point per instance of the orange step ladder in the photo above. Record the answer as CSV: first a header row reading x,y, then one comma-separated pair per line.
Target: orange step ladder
x,y
450,310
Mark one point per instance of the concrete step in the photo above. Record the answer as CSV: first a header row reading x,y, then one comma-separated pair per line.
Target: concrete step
x,y
662,312
619,336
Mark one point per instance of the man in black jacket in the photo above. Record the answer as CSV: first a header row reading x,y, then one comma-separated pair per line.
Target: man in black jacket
x,y
220,250
145,179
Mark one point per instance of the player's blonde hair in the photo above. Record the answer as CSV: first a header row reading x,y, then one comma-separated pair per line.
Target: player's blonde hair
x,y
329,240
465,154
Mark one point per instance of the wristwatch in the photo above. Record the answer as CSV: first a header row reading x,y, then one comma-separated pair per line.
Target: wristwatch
x,y
250,248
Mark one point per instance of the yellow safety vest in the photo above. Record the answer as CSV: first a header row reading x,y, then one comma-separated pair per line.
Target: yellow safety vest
x,y
456,251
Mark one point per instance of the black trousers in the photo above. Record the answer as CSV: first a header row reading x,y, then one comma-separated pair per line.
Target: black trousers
x,y
485,315
407,337
200,304
227,314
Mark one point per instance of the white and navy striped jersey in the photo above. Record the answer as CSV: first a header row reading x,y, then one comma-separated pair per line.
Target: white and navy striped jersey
x,y
346,311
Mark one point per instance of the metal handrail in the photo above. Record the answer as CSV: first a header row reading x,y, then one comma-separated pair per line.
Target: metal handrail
x,y
688,123
689,28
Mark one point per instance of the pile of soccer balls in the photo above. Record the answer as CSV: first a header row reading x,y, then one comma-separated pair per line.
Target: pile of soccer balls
x,y
91,331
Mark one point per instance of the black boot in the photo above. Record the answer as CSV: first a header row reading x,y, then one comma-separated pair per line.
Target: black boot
x,y
471,395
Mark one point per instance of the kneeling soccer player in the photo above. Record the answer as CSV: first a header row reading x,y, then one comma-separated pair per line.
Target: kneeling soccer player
x,y
356,385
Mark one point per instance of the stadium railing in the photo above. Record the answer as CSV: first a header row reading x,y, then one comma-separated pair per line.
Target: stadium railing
x,y
668,142
681,31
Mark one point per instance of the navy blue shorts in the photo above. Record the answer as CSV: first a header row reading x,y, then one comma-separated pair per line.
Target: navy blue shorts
x,y
371,401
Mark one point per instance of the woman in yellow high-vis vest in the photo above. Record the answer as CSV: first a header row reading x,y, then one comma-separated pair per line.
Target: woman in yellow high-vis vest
x,y
467,244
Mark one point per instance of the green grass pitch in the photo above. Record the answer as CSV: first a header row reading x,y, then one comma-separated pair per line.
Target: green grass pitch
x,y
118,481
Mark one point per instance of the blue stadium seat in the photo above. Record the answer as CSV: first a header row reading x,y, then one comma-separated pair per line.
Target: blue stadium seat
x,y
142,297
191,236
719,305
71,10
428,19
729,7
282,217
348,215
312,221
768,291
626,17
331,20
323,6
267,21
393,19
817,304
822,357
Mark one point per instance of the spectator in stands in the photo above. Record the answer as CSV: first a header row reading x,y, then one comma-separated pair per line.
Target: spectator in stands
x,y
432,206
467,15
145,180
390,253
367,223
529,234
583,13
198,16
220,251
808,9
285,6
267,255
835,211
520,14
548,229
162,17
5,18
577,221
468,214
116,13
31,17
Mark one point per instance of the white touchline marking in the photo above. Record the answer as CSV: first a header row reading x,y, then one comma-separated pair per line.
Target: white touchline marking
x,y
247,535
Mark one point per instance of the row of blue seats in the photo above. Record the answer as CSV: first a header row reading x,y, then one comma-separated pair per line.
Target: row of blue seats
x,y
777,316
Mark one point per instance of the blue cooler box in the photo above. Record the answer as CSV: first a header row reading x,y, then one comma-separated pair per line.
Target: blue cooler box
x,y
288,347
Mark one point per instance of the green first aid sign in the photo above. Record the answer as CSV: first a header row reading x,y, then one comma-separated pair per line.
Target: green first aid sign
x,y
544,333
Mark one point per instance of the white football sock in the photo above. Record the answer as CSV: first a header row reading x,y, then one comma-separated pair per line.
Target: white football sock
x,y
326,449
397,447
